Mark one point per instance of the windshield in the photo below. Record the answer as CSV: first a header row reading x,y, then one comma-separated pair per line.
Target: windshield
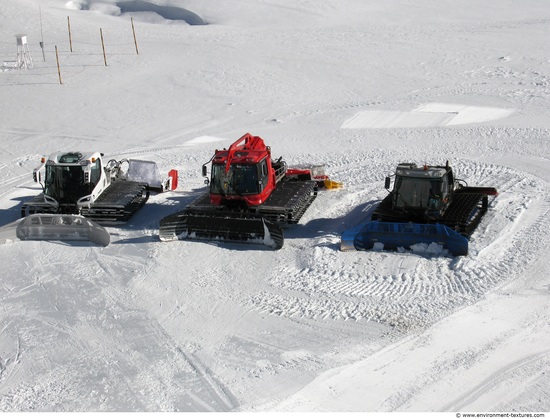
x,y
65,183
416,192
239,180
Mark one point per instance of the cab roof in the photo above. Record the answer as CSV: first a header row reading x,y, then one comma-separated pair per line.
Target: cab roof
x,y
425,171
240,157
248,149
72,157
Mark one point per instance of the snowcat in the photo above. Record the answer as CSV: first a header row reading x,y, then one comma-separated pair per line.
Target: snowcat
x,y
426,205
251,197
77,185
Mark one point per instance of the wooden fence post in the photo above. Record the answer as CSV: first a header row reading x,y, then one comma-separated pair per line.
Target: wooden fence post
x,y
134,32
70,36
58,67
103,46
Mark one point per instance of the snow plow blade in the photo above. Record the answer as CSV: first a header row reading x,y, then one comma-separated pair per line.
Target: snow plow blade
x,y
57,227
221,226
395,235
332,184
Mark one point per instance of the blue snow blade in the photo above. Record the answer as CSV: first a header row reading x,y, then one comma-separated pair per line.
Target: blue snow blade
x,y
395,235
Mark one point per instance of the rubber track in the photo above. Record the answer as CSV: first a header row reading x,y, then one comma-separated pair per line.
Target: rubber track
x,y
230,226
202,220
465,212
288,203
463,215
116,205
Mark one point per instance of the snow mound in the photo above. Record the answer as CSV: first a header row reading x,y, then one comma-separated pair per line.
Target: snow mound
x,y
427,115
141,9
432,249
203,139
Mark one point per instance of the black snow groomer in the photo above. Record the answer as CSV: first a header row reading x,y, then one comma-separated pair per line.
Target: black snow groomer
x,y
426,205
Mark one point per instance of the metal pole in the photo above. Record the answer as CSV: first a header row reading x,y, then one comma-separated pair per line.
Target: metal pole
x,y
134,32
43,55
103,46
58,68
41,34
70,36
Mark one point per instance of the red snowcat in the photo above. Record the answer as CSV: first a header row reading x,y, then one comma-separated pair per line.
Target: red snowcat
x,y
250,198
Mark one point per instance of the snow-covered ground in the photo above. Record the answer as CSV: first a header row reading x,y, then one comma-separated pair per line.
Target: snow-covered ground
x,y
358,85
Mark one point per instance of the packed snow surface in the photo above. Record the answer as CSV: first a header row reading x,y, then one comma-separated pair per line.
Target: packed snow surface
x,y
356,85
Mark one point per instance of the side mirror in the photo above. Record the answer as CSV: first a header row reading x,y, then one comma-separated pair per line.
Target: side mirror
x,y
204,170
387,183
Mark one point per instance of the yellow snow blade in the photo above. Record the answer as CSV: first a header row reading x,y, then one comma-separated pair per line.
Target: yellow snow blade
x,y
331,184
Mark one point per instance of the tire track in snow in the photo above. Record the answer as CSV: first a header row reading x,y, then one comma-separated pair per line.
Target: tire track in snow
x,y
89,316
177,377
521,370
11,177
408,290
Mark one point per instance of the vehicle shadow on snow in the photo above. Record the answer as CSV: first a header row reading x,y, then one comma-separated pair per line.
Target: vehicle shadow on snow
x,y
9,215
322,227
148,218
150,215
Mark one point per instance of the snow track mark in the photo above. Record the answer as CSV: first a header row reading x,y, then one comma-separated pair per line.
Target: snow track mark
x,y
411,290
502,383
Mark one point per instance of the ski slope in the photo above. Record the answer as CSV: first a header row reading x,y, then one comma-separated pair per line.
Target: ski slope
x,y
360,86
